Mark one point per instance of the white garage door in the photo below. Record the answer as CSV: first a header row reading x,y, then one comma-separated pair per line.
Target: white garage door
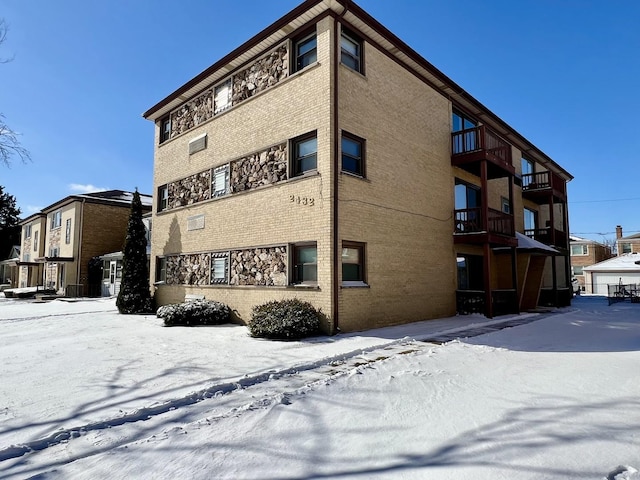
x,y
601,280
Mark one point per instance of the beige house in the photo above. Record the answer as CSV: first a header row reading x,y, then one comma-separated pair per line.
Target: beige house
x,y
9,269
585,252
327,160
58,242
628,244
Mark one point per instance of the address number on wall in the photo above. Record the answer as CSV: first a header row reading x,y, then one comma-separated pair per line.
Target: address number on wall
x,y
298,200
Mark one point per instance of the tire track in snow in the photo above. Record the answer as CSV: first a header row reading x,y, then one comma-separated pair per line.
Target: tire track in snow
x,y
321,371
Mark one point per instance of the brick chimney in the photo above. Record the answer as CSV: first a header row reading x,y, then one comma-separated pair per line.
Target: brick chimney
x,y
618,231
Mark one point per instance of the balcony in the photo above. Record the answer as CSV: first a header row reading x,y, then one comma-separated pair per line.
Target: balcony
x,y
495,228
540,187
471,146
548,236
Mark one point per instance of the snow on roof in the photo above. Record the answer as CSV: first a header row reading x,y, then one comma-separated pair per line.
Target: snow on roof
x,y
573,238
626,262
118,196
528,243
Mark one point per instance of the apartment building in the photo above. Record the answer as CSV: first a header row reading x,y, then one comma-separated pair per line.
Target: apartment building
x,y
627,244
327,160
58,242
584,253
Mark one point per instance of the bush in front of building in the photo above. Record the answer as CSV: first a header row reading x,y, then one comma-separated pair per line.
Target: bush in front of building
x,y
284,319
196,312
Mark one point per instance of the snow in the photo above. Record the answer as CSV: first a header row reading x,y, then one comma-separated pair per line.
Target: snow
x,y
88,393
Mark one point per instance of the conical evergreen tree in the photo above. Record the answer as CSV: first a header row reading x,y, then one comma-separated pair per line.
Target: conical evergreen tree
x,y
134,296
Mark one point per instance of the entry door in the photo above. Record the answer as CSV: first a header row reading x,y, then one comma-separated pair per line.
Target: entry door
x,y
112,278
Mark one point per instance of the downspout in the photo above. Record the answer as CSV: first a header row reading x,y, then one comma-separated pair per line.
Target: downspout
x,y
336,165
79,265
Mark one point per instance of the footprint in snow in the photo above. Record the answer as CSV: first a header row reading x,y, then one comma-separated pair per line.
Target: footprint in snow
x,y
623,472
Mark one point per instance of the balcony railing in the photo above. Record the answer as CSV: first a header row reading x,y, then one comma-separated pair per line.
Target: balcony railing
x,y
484,141
471,220
554,237
544,182
473,301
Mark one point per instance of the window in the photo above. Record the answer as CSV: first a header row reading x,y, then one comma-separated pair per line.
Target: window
x,y
56,219
579,250
304,154
305,52
106,265
578,270
352,262
506,206
625,247
67,231
27,231
305,264
54,251
34,247
352,154
222,96
462,122
351,51
165,129
220,182
161,269
163,198
466,141
219,268
527,172
530,219
470,272
26,257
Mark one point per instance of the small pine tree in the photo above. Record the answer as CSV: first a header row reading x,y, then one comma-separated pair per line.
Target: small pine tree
x,y
134,296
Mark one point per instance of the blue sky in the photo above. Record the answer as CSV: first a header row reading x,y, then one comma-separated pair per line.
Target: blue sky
x,y
564,74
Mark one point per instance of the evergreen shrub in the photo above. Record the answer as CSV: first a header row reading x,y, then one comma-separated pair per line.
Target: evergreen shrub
x,y
197,312
284,319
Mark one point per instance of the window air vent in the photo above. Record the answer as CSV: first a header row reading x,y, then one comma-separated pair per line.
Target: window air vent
x,y
197,144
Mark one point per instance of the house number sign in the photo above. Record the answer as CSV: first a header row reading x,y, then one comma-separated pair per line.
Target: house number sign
x,y
298,200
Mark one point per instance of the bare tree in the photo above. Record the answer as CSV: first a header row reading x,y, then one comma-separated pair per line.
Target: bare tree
x,y
10,146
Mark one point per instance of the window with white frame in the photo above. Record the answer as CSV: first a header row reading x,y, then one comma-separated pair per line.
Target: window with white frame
x,y
506,205
579,249
220,181
27,231
578,270
34,247
26,257
530,219
305,264
219,268
305,51
163,198
54,251
351,51
222,96
56,219
625,247
67,231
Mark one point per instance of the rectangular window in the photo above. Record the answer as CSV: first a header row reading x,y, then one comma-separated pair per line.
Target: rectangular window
x,y
165,129
161,269
163,198
119,269
506,206
305,52
578,270
352,262
220,181
26,257
579,250
530,219
222,96
67,231
34,247
527,172
626,247
467,140
304,154
352,154
27,231
56,219
219,269
305,264
351,51
54,251
105,269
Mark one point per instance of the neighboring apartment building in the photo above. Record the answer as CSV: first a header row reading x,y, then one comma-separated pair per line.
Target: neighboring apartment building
x,y
584,253
58,242
628,244
325,159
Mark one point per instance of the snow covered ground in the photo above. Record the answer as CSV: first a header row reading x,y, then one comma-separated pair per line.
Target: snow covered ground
x,y
88,393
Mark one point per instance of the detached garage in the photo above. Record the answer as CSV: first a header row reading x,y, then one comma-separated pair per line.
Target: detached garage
x,y
623,269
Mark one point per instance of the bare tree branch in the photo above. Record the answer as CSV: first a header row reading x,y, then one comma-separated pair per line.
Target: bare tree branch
x,y
10,146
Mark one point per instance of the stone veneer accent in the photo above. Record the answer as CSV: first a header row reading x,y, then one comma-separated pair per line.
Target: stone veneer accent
x,y
190,190
259,266
264,73
262,168
26,248
54,240
193,269
192,113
